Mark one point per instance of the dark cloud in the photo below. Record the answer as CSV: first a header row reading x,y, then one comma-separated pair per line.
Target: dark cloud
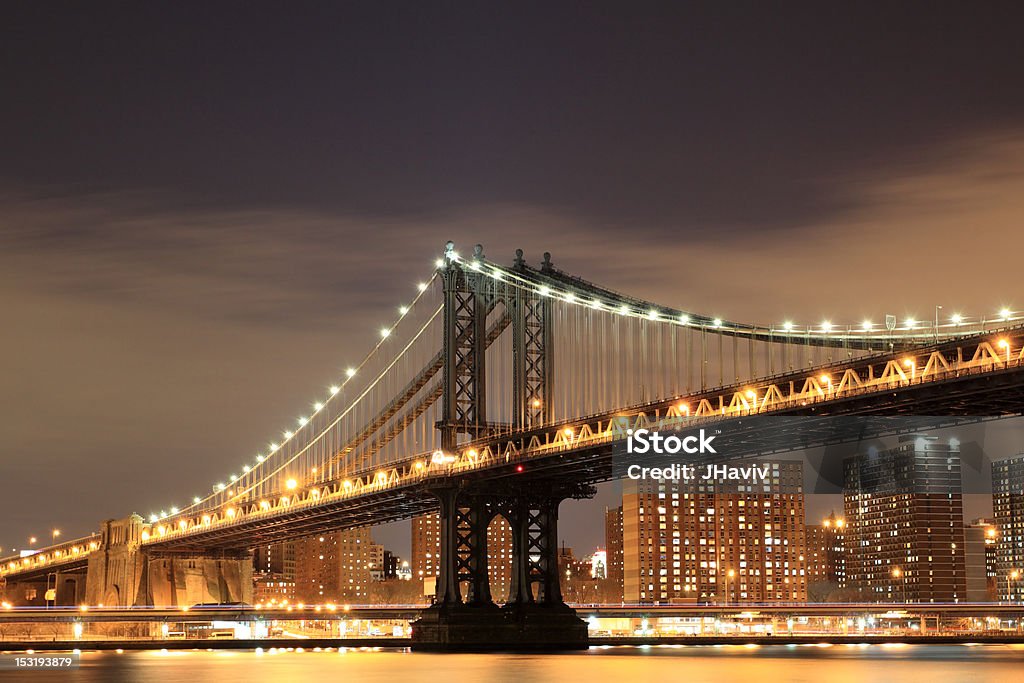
x,y
206,211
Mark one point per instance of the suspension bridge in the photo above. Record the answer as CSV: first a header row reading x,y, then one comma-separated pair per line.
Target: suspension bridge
x,y
503,390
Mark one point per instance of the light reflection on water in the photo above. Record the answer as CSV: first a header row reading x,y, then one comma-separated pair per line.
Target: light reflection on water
x,y
714,664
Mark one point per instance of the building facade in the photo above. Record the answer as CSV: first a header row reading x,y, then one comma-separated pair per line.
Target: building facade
x,y
1008,514
613,547
337,567
715,542
826,551
904,522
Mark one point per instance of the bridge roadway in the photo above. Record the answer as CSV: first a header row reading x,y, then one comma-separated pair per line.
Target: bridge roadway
x,y
924,395
963,380
411,612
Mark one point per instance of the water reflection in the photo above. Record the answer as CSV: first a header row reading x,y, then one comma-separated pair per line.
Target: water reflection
x,y
714,664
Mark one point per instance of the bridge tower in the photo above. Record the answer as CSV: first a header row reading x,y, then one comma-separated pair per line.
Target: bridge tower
x,y
464,615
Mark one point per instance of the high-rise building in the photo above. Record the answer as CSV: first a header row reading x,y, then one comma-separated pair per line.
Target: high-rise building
x,y
904,522
426,553
826,553
1008,511
980,538
613,546
716,541
336,567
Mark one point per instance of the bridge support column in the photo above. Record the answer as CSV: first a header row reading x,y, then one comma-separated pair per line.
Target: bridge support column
x,y
123,573
535,618
532,355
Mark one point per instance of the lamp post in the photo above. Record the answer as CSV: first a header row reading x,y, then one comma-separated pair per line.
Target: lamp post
x,y
1012,576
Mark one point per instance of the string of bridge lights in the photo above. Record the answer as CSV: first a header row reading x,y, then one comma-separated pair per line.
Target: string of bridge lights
x,y
826,327
288,434
683,318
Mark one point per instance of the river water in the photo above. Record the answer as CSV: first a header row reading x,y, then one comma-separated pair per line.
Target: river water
x,y
813,664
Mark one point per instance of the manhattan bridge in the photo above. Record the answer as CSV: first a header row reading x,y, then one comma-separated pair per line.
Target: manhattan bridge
x,y
506,389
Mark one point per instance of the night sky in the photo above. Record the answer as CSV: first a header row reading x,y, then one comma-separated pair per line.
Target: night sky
x,y
207,209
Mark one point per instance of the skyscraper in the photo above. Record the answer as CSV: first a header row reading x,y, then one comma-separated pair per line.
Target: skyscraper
x,y
904,522
1008,509
715,542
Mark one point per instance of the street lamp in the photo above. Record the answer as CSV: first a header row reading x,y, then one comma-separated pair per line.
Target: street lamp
x,y
55,534
1012,576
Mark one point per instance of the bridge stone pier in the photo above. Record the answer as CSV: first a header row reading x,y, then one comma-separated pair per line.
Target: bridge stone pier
x,y
122,574
464,616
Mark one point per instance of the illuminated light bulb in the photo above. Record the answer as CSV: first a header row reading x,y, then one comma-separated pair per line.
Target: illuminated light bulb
x,y
318,406
273,447
475,265
220,487
402,310
717,322
545,290
439,263
163,513
260,458
826,325
826,379
684,319
595,304
497,275
384,332
291,484
422,286
196,500
303,421
570,297
245,469
454,255
535,403
787,326
288,434
182,524
350,372
1005,313
153,518
652,314
568,431
910,322
956,318
623,309
750,393
234,478
866,325
174,510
